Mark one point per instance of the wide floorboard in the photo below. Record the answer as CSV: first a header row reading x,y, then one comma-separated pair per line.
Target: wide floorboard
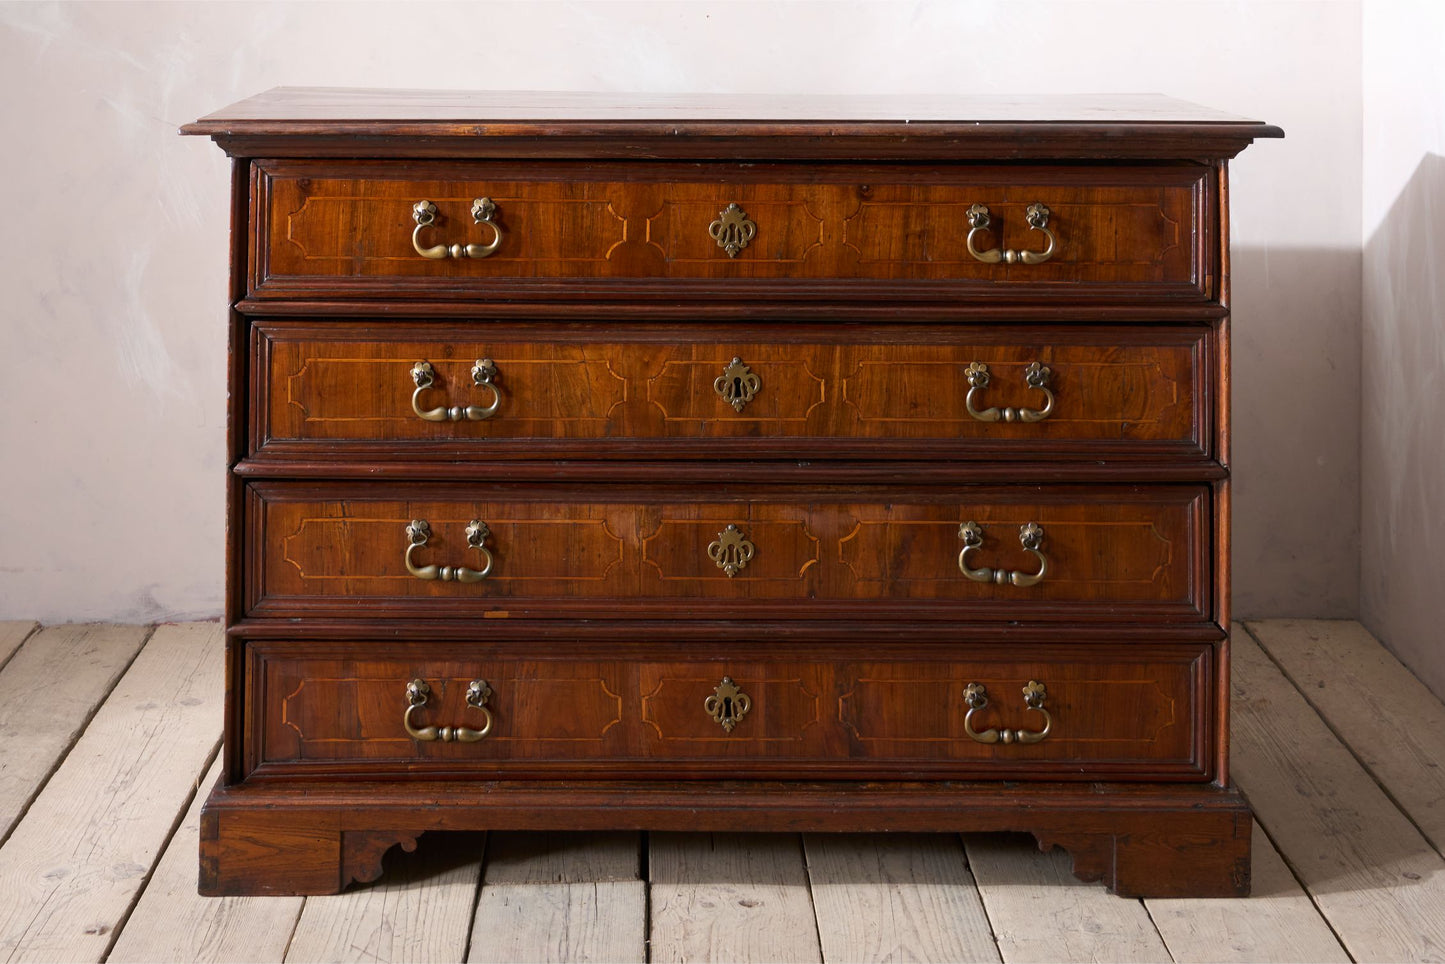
x,y
1340,750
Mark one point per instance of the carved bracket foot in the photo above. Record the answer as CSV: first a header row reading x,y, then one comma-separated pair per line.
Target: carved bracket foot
x,y
1162,863
362,852
278,852
1140,841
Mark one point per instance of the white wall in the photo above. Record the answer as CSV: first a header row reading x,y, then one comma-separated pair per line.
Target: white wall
x,y
1403,346
114,241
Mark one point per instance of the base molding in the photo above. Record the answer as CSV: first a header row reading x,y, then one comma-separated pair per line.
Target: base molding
x,y
1184,840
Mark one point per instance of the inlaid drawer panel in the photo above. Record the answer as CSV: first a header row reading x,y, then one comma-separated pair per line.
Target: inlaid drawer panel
x,y
356,226
1068,712
604,551
418,390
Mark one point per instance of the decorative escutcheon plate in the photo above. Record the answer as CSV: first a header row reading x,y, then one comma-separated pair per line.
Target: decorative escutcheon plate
x,y
732,230
731,550
728,704
737,384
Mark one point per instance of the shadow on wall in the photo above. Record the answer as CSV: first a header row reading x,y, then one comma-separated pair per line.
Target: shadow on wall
x,y
1402,454
1296,387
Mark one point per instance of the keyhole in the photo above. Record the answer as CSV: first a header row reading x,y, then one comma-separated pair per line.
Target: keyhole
x,y
727,707
737,386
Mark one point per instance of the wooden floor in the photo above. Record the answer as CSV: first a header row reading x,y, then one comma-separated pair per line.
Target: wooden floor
x,y
108,732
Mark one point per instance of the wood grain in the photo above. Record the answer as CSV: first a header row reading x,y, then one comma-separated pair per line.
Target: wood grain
x,y
896,898
12,634
321,122
1375,878
1389,720
421,910
1039,912
1140,839
740,897
628,391
323,227
1277,922
725,472
73,867
1135,710
608,551
48,691
561,897
611,468
286,109
172,922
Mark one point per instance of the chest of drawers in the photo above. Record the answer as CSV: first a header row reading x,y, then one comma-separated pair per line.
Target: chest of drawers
x,y
727,464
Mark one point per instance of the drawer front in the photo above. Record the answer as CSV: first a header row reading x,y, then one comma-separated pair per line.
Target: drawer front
x,y
1096,711
327,227
606,551
400,390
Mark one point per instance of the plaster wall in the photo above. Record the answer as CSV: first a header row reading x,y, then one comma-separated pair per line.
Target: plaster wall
x,y
112,250
1402,452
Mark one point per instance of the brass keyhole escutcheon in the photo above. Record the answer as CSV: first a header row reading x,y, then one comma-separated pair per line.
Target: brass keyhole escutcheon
x,y
728,704
731,551
732,230
737,384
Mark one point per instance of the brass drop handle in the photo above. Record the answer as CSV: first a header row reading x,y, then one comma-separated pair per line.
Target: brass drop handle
x,y
1035,376
975,695
1031,536
417,534
418,692
484,373
1037,216
484,211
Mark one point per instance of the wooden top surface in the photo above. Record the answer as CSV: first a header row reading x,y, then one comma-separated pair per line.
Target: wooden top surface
x,y
1077,125
302,105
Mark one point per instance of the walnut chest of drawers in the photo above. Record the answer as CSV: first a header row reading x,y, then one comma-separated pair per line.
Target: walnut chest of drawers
x,y
727,464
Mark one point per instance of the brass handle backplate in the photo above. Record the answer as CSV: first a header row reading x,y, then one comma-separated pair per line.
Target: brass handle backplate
x,y
980,221
975,695
728,704
484,211
418,692
1035,376
1031,537
484,373
731,550
732,230
737,384
418,532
